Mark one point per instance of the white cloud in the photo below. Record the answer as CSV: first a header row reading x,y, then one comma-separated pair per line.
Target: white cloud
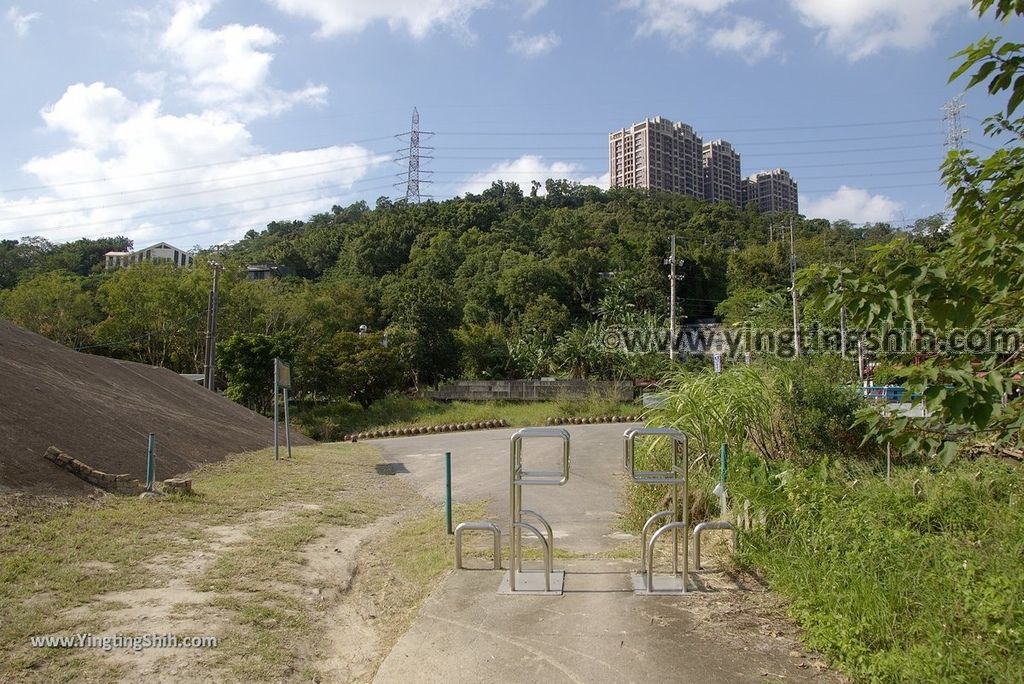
x,y
853,204
677,20
532,7
859,28
22,23
530,167
750,38
533,46
131,168
132,145
228,68
417,17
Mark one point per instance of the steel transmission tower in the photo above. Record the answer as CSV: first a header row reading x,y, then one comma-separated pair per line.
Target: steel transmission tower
x,y
412,178
955,131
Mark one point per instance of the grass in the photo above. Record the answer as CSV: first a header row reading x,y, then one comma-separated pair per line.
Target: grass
x,y
54,560
335,420
919,579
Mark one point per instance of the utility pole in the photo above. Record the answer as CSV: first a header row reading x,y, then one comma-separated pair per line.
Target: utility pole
x,y
210,365
673,278
792,282
672,302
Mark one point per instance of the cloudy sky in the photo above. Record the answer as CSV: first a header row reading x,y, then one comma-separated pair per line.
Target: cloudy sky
x,y
194,121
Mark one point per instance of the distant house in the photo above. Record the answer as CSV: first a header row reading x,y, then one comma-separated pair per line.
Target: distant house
x,y
265,271
158,253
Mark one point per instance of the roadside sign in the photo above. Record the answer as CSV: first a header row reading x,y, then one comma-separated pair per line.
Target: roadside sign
x,y
283,373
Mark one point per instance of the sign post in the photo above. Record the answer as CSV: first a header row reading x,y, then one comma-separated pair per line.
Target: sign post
x,y
282,383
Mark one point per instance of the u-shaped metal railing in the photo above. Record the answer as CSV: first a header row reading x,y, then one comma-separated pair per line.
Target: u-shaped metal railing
x,y
675,477
519,478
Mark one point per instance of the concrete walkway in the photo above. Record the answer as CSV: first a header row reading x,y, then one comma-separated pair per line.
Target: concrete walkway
x,y
598,630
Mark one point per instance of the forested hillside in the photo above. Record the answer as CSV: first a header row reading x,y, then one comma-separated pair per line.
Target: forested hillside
x,y
499,284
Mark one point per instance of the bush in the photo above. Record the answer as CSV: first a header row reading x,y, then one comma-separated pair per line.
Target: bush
x,y
819,413
917,580
794,411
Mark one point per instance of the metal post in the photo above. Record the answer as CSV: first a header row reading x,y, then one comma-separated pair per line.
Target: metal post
x,y
513,519
686,517
276,418
209,342
842,329
723,462
792,281
675,518
672,302
210,365
151,463
448,490
287,429
213,334
888,460
860,358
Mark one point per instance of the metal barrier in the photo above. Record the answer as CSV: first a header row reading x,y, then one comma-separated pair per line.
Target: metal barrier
x,y
519,478
477,525
675,477
711,525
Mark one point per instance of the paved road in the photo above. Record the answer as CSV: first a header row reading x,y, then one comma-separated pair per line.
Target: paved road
x,y
582,513
598,630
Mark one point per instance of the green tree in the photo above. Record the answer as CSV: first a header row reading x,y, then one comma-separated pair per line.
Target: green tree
x,y
366,370
54,305
976,278
155,314
247,361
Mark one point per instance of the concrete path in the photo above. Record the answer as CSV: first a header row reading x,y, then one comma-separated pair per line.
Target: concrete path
x,y
582,513
598,630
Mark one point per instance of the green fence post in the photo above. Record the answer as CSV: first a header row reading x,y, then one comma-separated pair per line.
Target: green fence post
x,y
448,489
151,462
723,462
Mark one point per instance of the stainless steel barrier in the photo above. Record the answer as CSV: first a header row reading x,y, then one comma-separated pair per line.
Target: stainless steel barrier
x,y
711,525
474,525
675,477
519,478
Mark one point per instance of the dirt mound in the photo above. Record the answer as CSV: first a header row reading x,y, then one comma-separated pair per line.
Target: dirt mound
x,y
101,411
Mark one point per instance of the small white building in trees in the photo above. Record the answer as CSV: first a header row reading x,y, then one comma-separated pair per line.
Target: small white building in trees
x,y
161,252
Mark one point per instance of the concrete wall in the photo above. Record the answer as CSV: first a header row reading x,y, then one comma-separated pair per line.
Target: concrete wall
x,y
532,390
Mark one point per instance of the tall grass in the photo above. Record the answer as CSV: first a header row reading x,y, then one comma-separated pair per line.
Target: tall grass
x,y
721,408
917,580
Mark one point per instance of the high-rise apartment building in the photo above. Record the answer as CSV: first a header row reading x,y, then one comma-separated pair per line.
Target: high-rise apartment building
x,y
658,154
771,191
722,177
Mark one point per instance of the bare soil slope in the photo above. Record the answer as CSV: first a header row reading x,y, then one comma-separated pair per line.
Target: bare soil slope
x,y
101,411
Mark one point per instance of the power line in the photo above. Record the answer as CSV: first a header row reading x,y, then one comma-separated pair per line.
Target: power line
x,y
141,217
748,156
722,130
184,194
128,340
734,143
203,181
144,174
197,219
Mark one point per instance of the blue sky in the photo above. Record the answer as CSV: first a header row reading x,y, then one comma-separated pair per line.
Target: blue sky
x,y
194,121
